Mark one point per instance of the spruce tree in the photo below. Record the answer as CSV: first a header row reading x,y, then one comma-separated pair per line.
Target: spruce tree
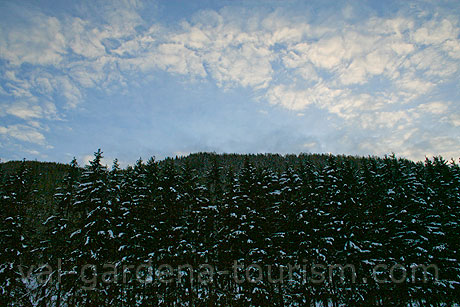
x,y
16,197
58,227
94,239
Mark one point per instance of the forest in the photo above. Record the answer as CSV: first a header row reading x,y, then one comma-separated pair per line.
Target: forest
x,y
231,230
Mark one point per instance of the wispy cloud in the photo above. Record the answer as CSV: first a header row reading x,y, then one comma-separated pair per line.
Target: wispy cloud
x,y
23,133
382,75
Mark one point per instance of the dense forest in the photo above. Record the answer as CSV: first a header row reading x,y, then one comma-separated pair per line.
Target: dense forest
x,y
231,230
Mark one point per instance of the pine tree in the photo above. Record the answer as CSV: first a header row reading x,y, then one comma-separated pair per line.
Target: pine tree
x,y
443,225
169,211
138,230
250,232
58,228
327,239
213,180
371,229
268,210
227,237
304,230
16,197
93,240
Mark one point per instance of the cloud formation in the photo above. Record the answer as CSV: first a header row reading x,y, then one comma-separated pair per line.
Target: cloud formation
x,y
382,75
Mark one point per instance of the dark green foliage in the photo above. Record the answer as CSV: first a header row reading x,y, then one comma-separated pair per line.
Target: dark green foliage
x,y
282,214
16,197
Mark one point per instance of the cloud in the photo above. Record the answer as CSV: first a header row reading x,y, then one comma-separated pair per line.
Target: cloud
x,y
86,40
298,99
26,110
436,32
68,90
432,64
371,73
242,51
438,145
455,119
177,58
437,107
23,133
35,39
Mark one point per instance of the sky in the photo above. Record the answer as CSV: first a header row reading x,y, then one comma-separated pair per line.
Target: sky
x,y
165,78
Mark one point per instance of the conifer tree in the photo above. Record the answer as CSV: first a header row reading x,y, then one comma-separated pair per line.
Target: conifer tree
x,y
16,197
214,182
267,210
58,228
93,240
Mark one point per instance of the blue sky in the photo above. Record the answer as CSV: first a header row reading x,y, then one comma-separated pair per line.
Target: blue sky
x,y
165,78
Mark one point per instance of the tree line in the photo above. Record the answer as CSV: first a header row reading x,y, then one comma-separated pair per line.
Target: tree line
x,y
236,230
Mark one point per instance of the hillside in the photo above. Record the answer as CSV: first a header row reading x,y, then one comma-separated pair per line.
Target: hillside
x,y
234,230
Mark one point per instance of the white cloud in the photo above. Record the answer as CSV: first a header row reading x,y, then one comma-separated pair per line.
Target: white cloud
x,y
24,111
310,145
27,110
455,119
447,146
23,133
297,99
373,73
232,55
36,39
327,53
69,90
434,107
32,152
248,67
300,63
240,51
436,32
452,47
179,59
415,85
346,107
85,40
431,62
402,48
385,119
289,98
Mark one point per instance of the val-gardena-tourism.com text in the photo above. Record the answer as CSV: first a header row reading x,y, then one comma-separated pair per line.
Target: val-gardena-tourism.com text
x,y
91,275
